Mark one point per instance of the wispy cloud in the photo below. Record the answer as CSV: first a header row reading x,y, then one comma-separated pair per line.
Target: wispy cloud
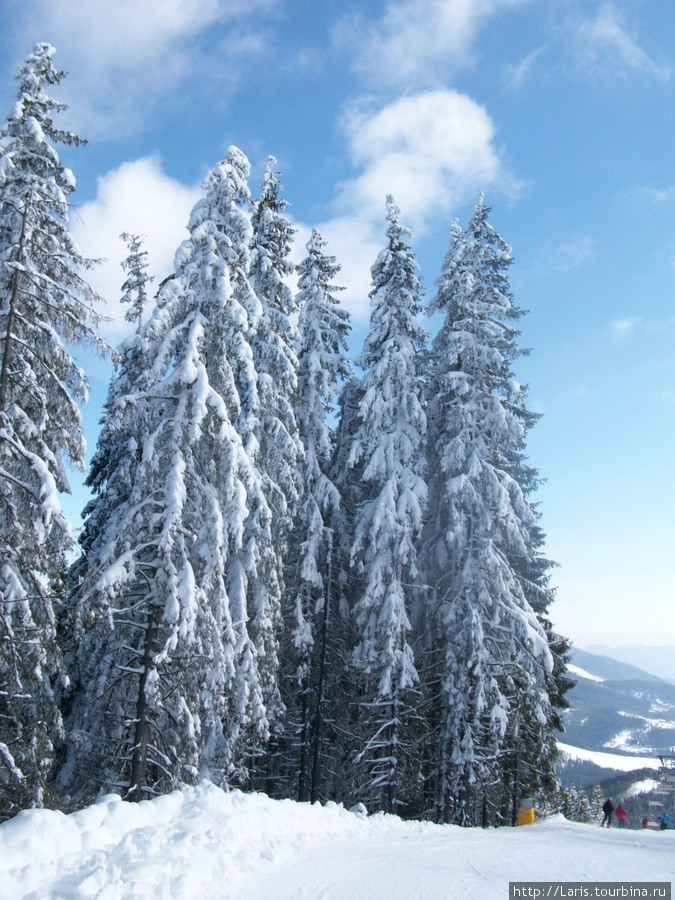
x,y
607,40
656,195
517,75
416,42
621,328
565,256
124,55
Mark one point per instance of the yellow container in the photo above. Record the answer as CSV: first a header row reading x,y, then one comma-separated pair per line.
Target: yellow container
x,y
526,816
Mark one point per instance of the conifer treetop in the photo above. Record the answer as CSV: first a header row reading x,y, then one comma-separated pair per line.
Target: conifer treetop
x,y
134,291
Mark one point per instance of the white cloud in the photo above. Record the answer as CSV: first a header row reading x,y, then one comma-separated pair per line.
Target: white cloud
x,y
124,54
621,328
432,151
137,197
607,39
417,41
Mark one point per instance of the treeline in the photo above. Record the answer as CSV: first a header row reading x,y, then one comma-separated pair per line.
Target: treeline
x,y
292,578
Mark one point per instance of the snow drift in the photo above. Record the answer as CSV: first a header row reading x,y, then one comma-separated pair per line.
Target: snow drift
x,y
204,843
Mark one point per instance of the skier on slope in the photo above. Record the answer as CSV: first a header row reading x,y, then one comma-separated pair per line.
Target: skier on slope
x,y
608,809
620,814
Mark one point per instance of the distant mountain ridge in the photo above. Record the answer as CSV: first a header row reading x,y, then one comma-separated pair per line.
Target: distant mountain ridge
x,y
612,669
628,712
620,716
658,660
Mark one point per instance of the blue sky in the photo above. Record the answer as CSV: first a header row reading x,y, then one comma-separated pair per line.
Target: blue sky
x,y
561,112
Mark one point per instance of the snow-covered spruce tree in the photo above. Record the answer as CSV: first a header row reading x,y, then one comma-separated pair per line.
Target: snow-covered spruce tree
x,y
112,468
492,652
169,679
529,760
45,305
273,338
389,444
312,617
134,289
333,757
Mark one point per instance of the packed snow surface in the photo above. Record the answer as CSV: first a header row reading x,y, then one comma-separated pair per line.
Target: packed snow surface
x,y
204,843
609,760
640,787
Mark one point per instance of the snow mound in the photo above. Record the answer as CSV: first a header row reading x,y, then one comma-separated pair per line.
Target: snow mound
x,y
204,843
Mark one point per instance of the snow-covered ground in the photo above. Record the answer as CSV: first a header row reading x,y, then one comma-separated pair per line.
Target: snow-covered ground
x,y
582,673
206,844
640,787
610,760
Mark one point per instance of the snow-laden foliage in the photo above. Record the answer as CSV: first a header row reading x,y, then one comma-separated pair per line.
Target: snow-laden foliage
x,y
134,289
247,605
313,618
46,306
322,367
389,446
493,652
168,672
112,468
273,338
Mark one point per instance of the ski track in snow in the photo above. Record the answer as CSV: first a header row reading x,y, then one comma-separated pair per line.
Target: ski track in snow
x,y
206,844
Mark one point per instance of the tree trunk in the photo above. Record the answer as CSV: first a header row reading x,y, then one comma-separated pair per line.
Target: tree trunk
x,y
139,759
11,318
392,786
303,780
320,688
514,793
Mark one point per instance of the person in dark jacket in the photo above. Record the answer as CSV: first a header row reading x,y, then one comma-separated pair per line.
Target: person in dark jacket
x,y
608,809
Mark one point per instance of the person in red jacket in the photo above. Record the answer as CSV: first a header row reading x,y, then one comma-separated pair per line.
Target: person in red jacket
x,y
620,814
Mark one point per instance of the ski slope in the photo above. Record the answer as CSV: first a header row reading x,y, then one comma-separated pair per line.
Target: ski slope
x,y
203,843
609,760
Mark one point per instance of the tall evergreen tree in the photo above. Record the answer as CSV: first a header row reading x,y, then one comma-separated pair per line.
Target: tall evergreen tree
x,y
170,683
111,471
45,305
389,445
492,651
313,618
273,337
